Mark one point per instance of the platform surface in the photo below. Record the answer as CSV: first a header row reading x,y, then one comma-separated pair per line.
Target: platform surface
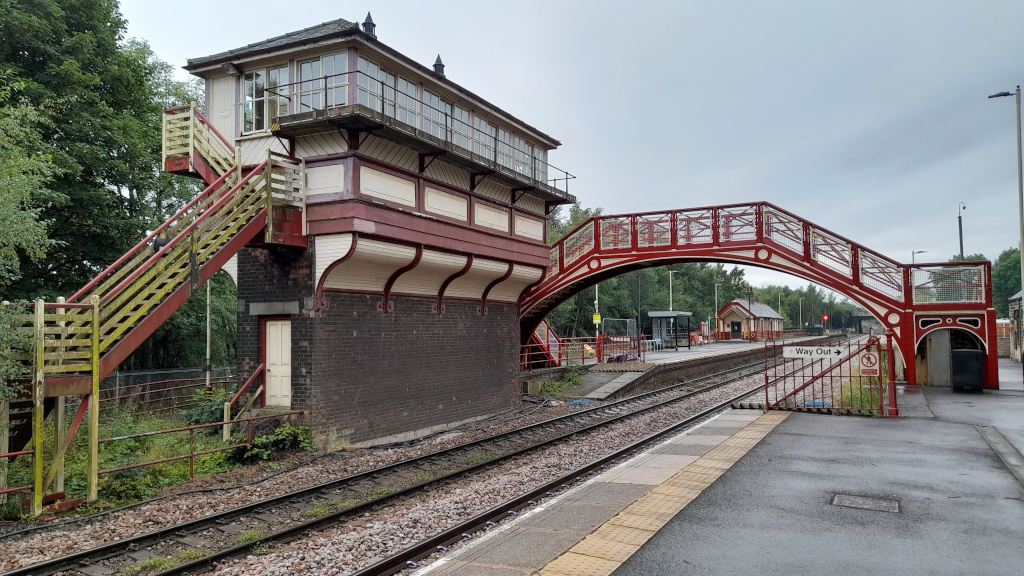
x,y
720,500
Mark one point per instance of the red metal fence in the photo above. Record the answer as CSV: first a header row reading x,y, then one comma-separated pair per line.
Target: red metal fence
x,y
851,377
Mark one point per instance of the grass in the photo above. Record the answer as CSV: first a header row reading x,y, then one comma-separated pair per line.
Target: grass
x,y
571,376
151,565
383,491
320,510
250,537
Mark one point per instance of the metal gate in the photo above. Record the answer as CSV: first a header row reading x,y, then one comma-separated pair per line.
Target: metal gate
x,y
850,377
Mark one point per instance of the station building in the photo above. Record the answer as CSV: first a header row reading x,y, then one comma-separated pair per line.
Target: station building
x,y
387,307
741,319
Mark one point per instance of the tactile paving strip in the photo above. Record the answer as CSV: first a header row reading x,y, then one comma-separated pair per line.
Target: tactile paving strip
x,y
604,550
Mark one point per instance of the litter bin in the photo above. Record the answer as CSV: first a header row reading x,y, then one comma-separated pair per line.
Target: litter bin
x,y
966,370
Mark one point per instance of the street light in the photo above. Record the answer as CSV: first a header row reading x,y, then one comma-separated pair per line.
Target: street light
x,y
960,225
1020,178
750,309
801,314
717,284
915,253
670,273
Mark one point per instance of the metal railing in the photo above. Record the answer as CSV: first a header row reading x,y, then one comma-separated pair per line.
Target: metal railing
x,y
764,223
422,118
192,453
845,377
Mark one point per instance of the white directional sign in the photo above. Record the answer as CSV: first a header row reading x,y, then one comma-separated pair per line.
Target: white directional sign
x,y
814,352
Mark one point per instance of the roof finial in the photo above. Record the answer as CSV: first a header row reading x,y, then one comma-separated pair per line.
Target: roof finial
x,y
369,26
439,66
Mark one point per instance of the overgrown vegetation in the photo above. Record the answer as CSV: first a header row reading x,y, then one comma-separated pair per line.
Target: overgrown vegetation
x,y
285,438
209,406
571,376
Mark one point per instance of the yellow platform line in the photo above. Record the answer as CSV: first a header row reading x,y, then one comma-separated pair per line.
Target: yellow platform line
x,y
606,548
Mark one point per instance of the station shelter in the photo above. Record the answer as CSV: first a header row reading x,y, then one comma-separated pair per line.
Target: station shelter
x,y
667,325
748,320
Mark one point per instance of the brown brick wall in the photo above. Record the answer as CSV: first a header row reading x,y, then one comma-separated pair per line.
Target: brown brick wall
x,y
383,374
278,274
362,374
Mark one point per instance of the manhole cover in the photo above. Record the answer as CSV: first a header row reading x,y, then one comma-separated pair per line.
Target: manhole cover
x,y
866,503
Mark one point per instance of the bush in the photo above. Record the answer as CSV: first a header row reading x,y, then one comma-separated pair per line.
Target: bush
x,y
285,438
209,406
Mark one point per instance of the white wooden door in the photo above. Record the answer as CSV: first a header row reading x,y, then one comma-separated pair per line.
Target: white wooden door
x,y
279,363
222,104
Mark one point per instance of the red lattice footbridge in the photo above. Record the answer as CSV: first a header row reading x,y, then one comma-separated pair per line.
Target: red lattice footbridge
x,y
909,300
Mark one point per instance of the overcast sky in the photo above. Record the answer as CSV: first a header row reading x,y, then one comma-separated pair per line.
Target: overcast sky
x,y
869,118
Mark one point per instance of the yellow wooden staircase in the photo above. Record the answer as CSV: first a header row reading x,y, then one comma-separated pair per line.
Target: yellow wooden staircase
x,y
78,341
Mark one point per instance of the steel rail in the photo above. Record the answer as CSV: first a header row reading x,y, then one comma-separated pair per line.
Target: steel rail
x,y
466,529
70,561
399,561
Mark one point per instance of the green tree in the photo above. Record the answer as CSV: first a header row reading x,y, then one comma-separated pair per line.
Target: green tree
x,y
26,166
104,97
1005,280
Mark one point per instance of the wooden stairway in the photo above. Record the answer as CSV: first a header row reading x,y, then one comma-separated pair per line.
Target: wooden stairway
x,y
83,339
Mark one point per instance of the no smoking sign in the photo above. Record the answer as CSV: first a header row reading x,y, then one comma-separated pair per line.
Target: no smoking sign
x,y
869,364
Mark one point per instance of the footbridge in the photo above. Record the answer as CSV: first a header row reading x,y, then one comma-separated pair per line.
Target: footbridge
x,y
911,301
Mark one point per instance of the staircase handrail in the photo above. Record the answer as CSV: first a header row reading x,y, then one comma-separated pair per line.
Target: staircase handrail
x,y
238,395
227,196
138,247
202,118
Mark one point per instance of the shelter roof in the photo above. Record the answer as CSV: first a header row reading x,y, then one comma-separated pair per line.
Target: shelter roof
x,y
669,314
758,309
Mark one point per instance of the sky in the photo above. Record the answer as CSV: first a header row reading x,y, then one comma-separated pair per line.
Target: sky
x,y
868,118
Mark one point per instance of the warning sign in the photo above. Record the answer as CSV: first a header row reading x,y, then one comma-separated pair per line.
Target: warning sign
x,y
869,364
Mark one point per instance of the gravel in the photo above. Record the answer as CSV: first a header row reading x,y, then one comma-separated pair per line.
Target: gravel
x,y
388,530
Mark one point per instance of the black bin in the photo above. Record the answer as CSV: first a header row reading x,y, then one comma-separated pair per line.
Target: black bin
x,y
967,367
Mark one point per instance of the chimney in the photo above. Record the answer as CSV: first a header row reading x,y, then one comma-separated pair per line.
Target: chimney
x,y
439,66
369,26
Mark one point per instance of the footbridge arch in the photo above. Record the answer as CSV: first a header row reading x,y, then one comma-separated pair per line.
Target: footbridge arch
x,y
909,300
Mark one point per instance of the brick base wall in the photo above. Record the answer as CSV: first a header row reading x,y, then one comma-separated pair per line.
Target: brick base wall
x,y
361,374
411,369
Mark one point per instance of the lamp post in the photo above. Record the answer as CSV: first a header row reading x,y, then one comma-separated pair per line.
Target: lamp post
x,y
960,226
914,253
670,273
750,309
801,313
717,284
1020,178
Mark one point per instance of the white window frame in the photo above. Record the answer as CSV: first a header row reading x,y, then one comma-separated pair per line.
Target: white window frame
x,y
314,89
270,104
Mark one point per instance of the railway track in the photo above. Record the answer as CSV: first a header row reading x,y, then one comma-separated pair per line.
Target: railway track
x,y
280,519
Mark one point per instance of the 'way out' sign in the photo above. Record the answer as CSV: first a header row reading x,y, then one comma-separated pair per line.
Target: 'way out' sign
x,y
814,352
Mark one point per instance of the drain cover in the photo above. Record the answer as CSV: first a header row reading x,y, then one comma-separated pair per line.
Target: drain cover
x,y
866,503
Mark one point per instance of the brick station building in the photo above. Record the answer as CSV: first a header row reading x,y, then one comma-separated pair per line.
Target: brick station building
x,y
394,311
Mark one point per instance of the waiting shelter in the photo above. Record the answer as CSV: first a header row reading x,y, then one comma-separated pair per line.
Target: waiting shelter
x,y
665,326
748,320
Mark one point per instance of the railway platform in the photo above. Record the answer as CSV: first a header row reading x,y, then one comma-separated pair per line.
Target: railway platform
x,y
937,491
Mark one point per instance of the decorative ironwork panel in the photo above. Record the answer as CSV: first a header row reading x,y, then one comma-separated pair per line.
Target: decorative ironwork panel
x,y
881,275
654,230
694,227
784,230
949,284
553,268
616,233
832,252
579,243
738,224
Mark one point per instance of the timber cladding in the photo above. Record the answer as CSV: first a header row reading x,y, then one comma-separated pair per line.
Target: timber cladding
x,y
412,368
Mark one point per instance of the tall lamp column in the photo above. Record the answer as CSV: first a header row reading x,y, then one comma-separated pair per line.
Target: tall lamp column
x,y
1020,178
